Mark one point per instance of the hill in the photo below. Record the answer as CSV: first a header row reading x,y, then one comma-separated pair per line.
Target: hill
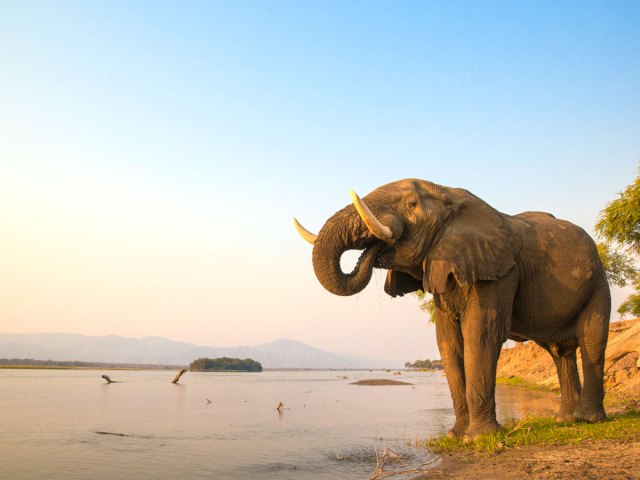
x,y
282,353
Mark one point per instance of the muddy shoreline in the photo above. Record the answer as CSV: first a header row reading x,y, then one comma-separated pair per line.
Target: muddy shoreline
x,y
603,459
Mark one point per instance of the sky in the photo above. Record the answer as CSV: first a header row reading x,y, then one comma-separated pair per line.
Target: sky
x,y
153,154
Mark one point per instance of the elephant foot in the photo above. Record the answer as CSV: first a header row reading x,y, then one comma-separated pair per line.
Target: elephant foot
x,y
459,429
565,417
593,415
474,431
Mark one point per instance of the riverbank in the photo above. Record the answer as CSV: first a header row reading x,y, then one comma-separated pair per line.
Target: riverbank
x,y
540,448
614,455
66,367
602,459
28,363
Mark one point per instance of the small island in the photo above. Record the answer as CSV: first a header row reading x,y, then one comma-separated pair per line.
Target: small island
x,y
379,382
225,364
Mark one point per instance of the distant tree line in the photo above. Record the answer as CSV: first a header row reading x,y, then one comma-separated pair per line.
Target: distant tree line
x,y
30,362
424,365
225,364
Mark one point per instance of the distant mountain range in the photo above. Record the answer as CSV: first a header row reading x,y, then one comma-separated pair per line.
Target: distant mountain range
x,y
281,353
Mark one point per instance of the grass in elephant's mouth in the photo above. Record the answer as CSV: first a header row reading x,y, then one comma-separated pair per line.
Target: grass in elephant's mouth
x,y
541,431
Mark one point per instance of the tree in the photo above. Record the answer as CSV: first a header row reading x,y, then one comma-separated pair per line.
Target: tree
x,y
619,226
425,365
632,304
225,364
426,304
619,266
619,221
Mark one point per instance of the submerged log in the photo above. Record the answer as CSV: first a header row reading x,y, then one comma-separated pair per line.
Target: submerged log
x,y
178,375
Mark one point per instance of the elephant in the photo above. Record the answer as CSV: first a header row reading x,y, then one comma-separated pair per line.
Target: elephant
x,y
493,277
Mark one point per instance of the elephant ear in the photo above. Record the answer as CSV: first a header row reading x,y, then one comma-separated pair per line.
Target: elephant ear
x,y
476,243
399,283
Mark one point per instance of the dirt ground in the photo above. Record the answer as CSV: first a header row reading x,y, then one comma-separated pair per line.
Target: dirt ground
x,y
606,459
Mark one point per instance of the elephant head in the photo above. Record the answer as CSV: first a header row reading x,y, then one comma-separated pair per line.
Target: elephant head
x,y
426,236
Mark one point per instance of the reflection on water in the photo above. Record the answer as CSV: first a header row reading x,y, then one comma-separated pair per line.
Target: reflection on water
x,y
69,424
517,402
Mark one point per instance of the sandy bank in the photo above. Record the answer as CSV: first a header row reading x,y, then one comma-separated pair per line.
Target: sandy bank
x,y
379,382
534,366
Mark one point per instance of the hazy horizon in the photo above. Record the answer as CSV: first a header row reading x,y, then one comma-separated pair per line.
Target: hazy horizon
x,y
281,353
153,154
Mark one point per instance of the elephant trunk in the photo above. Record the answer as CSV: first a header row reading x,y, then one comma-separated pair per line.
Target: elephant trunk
x,y
344,231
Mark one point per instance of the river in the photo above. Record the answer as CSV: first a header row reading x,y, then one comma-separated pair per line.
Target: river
x,y
69,424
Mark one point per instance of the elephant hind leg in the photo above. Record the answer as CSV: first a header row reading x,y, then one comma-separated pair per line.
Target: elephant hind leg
x,y
564,356
593,331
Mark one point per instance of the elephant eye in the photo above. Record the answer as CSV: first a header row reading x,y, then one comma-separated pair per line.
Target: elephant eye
x,y
411,204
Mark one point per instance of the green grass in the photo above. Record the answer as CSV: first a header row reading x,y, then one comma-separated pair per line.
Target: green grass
x,y
541,431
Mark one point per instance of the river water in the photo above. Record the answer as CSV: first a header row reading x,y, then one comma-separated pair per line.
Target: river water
x,y
69,424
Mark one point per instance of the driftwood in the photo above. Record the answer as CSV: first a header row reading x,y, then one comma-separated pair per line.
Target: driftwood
x,y
178,375
621,345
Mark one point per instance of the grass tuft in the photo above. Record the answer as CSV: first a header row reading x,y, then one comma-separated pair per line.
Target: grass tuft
x,y
541,431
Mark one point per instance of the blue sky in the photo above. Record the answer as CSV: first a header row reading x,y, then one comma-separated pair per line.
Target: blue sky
x,y
152,154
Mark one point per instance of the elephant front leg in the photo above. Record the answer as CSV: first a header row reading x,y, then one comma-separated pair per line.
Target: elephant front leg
x,y
481,359
450,344
484,324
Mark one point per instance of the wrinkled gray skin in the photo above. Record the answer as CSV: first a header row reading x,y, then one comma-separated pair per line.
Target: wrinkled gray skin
x,y
493,277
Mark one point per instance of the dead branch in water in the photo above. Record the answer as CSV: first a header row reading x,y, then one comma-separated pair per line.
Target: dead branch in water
x,y
387,456
178,375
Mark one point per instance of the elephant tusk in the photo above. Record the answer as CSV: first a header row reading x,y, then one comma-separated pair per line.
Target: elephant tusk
x,y
304,233
381,231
